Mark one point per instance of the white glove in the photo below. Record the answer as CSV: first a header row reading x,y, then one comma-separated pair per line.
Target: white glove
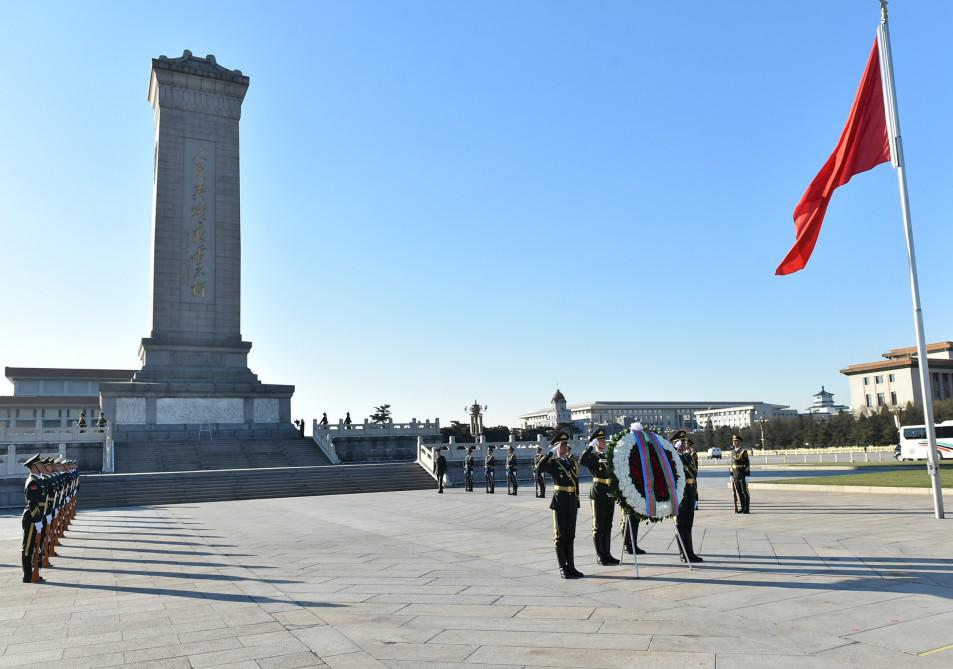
x,y
49,519
554,450
39,527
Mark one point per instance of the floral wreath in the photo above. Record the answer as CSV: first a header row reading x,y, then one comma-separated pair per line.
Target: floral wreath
x,y
632,473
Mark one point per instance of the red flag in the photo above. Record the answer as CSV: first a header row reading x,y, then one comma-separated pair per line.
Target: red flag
x,y
863,145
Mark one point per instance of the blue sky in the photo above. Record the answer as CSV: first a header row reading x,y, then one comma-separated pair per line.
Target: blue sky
x,y
444,202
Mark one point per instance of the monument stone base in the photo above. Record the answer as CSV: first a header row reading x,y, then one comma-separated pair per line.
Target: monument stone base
x,y
142,408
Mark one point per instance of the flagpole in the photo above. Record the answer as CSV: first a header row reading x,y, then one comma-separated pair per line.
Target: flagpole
x,y
896,157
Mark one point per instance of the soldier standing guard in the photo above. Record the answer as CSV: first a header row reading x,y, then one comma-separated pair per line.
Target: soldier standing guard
x,y
440,468
740,471
489,471
600,497
468,470
686,508
34,492
564,468
538,475
511,471
101,423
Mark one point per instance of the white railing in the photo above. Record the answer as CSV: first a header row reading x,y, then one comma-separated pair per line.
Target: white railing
x,y
325,442
109,452
414,428
35,435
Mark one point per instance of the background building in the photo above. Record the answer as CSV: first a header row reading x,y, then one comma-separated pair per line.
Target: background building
x,y
657,415
895,381
54,397
737,417
824,407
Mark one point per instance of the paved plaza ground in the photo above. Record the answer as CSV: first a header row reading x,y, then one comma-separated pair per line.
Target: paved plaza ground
x,y
420,580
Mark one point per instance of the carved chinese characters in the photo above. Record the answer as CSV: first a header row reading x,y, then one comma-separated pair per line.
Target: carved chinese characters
x,y
199,222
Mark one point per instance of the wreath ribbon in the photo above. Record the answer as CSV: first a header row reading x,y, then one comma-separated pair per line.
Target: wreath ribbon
x,y
648,478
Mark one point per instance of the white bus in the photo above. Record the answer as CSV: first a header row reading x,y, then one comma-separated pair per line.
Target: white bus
x,y
913,441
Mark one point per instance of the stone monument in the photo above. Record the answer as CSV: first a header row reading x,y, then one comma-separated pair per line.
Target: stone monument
x,y
195,363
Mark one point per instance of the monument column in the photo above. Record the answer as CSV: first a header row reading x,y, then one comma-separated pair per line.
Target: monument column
x,y
195,362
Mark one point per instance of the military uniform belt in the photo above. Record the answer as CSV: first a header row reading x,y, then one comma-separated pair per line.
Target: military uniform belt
x,y
689,481
606,481
565,488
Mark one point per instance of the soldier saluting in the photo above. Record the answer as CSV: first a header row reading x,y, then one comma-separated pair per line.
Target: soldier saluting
x,y
538,479
511,471
564,468
468,470
740,471
489,471
600,497
34,492
685,519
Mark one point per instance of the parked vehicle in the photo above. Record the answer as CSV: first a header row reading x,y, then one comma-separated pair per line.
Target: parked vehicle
x,y
913,441
714,453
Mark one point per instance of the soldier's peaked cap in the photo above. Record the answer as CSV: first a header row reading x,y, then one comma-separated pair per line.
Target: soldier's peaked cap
x,y
736,437
598,433
679,434
559,436
48,461
32,460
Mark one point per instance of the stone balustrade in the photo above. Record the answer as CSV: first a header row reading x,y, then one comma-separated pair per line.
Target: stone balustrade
x,y
414,428
83,444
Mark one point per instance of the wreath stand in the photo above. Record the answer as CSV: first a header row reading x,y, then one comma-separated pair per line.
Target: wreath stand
x,y
633,534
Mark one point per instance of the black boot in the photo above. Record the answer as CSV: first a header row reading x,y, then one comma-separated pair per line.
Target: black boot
x,y
690,548
27,568
607,558
564,572
597,544
571,561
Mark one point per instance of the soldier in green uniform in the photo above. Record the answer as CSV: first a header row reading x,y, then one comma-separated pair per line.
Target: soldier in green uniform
x,y
538,475
564,468
686,507
468,470
600,497
34,492
489,471
740,471
511,471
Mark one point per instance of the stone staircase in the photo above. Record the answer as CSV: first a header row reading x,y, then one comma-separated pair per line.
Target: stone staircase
x,y
204,454
136,489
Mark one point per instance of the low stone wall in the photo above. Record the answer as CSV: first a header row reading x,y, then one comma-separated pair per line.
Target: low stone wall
x,y
379,448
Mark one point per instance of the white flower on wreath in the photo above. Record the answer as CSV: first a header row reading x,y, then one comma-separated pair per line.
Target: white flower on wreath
x,y
626,486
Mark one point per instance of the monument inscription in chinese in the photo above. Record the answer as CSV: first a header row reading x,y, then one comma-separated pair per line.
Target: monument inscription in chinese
x,y
198,243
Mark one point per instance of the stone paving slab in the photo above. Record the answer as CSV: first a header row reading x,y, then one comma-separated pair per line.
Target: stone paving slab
x,y
412,580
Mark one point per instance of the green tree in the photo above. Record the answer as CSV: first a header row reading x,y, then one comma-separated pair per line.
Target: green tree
x,y
381,414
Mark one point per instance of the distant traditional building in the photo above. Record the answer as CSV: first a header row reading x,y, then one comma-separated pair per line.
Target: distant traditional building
x,y
656,415
895,381
824,407
54,397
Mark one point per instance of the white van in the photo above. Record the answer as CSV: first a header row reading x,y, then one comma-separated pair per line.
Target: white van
x,y
913,441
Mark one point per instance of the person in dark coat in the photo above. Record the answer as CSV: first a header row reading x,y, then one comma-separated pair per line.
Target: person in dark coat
x,y
440,468
538,475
